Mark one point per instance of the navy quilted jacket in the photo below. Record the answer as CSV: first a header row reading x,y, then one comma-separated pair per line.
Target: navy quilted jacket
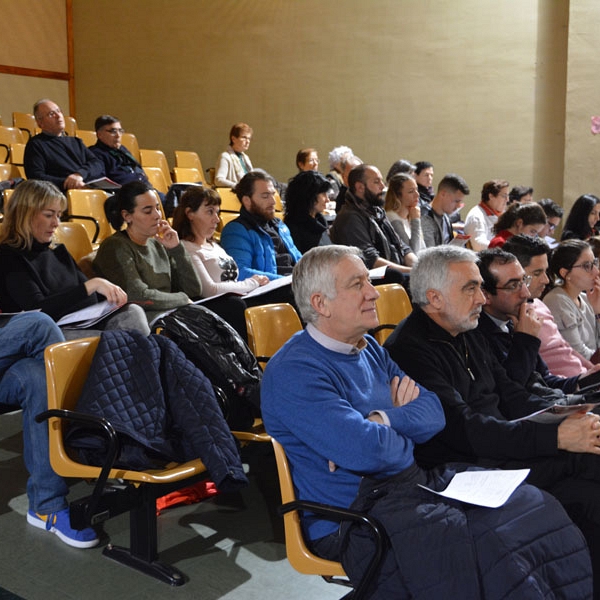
x,y
150,392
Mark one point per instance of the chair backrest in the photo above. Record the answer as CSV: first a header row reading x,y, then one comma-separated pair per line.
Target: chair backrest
x,y
269,327
90,203
226,217
8,171
186,159
156,158
87,136
75,237
8,136
392,306
67,366
187,175
300,557
229,201
157,179
70,125
6,194
131,143
17,155
25,122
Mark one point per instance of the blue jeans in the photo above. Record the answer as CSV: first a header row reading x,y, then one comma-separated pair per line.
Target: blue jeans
x,y
23,383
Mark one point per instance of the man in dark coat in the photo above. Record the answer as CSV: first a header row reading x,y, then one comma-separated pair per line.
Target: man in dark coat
x,y
438,346
54,156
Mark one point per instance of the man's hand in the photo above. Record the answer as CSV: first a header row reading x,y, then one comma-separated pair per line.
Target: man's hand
x,y
404,391
74,182
580,433
528,321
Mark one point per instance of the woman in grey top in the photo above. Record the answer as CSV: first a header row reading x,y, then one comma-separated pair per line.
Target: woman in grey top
x,y
403,212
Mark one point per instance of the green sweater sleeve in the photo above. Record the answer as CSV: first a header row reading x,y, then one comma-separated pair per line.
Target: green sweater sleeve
x,y
183,274
150,275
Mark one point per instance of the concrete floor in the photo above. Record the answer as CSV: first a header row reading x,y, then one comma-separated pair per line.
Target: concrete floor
x,y
230,547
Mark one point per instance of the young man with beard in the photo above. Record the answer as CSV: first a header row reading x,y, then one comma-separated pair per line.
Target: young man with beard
x,y
259,243
362,223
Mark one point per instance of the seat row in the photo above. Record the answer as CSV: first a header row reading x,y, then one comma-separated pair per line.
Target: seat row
x,y
67,366
188,167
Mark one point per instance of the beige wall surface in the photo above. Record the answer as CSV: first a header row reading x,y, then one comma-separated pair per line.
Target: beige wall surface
x,y
475,86
34,34
18,93
582,148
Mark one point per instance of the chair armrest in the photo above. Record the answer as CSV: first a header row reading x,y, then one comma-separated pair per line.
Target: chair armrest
x,y
336,513
97,423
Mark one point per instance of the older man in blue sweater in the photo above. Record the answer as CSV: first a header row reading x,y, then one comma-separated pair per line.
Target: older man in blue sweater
x,y
348,419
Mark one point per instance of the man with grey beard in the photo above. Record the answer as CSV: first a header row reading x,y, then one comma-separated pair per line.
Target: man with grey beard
x,y
362,223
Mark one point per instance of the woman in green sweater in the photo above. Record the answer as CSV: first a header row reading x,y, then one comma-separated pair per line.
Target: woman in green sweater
x,y
146,258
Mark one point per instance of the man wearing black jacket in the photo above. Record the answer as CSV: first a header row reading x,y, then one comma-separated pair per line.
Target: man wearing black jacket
x,y
437,345
511,326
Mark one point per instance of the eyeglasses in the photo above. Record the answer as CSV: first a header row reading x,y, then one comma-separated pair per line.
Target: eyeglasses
x,y
53,113
588,267
516,285
115,131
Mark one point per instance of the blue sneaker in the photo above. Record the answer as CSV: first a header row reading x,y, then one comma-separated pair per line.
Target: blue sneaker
x,y
59,524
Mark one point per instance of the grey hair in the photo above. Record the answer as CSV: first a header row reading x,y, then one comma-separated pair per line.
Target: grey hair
x,y
312,274
431,270
337,155
39,103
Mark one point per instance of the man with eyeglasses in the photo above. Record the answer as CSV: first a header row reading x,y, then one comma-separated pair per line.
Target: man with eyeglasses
x,y
119,163
554,214
559,356
439,346
512,325
54,156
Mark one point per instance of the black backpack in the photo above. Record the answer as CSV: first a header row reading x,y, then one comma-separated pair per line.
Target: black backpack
x,y
222,355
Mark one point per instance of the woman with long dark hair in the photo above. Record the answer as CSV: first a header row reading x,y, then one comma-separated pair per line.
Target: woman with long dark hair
x,y
305,200
582,221
575,299
526,219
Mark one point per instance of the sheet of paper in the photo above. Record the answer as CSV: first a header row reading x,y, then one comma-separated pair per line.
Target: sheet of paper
x,y
491,488
377,272
557,413
272,285
88,316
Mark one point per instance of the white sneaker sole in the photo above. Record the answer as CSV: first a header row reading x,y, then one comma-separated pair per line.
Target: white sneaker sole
x,y
67,540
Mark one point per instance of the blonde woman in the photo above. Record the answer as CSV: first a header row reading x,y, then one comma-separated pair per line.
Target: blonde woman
x,y
35,273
